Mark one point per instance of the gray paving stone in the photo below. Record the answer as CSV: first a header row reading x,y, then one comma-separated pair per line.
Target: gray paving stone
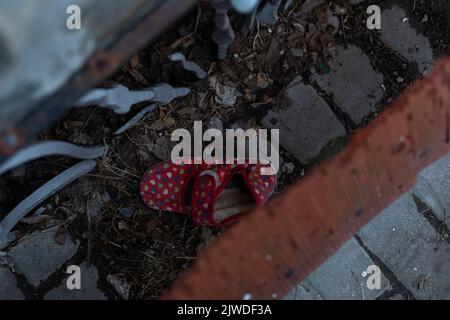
x,y
306,122
88,291
397,33
341,276
433,187
353,83
407,244
38,256
303,291
8,286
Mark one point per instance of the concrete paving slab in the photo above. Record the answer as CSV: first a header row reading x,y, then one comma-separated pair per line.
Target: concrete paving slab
x,y
433,188
39,256
353,83
89,289
408,245
8,286
306,122
397,33
342,276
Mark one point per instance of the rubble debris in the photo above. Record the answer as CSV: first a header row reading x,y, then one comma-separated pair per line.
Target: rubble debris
x,y
188,65
41,194
121,286
120,99
226,95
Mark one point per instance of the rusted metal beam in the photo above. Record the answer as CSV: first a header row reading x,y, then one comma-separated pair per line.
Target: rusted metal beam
x,y
276,246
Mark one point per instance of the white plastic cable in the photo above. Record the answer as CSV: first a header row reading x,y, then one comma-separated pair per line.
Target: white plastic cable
x,y
40,195
51,148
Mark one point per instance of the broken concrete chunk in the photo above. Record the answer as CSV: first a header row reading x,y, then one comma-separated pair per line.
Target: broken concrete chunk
x,y
226,95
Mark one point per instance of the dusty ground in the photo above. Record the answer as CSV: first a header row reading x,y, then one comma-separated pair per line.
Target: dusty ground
x,y
150,249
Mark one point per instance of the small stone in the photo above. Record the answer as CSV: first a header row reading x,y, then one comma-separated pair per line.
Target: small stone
x,y
8,287
396,296
433,188
30,260
413,245
341,276
96,202
126,212
226,95
297,52
288,168
300,28
356,98
121,286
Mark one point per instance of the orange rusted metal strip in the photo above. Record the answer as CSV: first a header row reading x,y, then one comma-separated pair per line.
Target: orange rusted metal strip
x,y
278,245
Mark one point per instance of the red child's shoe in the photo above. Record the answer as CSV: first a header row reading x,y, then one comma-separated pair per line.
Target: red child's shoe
x,y
215,195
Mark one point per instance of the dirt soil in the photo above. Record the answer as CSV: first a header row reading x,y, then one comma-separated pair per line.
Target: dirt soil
x,y
103,210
